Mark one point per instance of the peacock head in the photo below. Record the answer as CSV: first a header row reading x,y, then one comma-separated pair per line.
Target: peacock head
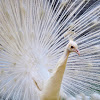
x,y
73,47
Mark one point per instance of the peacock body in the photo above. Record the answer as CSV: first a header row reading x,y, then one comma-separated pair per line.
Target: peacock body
x,y
33,36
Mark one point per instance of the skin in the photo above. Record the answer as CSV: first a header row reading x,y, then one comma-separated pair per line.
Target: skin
x,y
51,90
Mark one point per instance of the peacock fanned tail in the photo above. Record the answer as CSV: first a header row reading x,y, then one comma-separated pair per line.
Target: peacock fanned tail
x,y
33,35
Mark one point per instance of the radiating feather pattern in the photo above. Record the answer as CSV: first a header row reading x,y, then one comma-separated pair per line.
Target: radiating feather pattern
x,y
32,41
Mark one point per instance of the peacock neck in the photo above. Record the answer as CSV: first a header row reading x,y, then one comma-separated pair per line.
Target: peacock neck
x,y
52,87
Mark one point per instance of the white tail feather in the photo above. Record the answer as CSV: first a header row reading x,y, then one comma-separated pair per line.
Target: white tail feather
x,y
31,42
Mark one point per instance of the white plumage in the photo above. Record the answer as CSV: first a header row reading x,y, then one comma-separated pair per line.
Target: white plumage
x,y
32,41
